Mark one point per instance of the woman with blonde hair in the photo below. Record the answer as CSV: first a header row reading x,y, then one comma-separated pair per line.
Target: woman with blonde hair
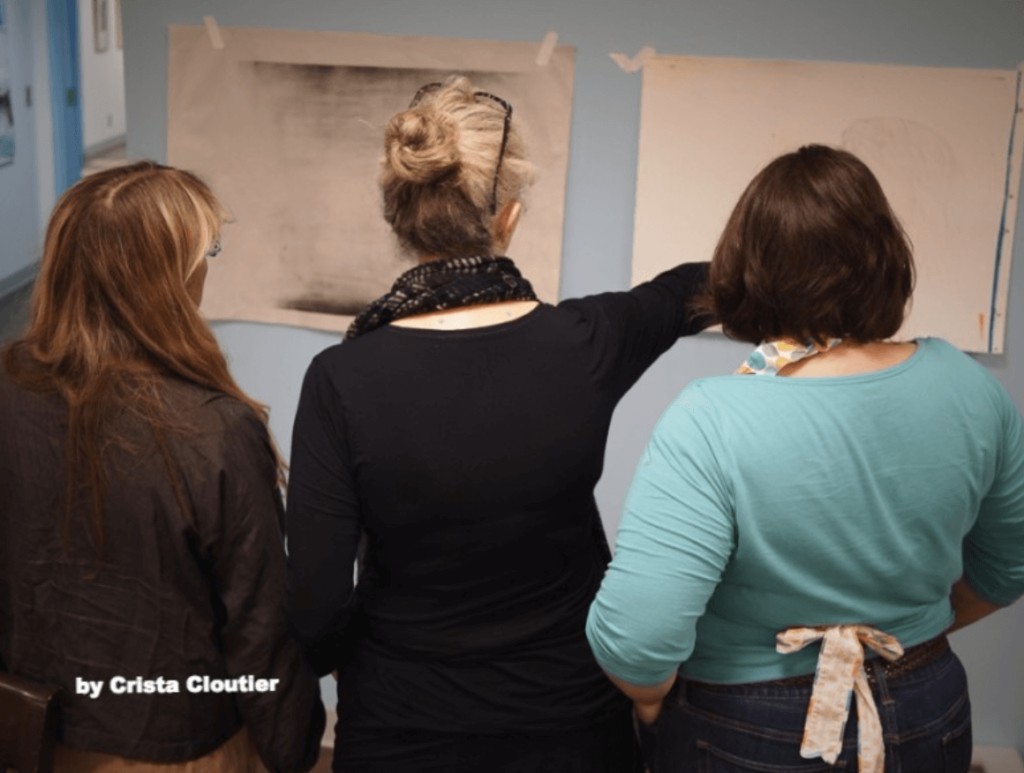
x,y
461,428
140,512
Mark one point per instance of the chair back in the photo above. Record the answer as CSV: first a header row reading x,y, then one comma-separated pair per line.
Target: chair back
x,y
28,725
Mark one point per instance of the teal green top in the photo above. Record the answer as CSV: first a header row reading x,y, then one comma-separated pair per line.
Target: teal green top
x,y
762,503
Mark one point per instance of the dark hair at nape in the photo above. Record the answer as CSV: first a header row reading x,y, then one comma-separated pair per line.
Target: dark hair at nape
x,y
811,251
436,218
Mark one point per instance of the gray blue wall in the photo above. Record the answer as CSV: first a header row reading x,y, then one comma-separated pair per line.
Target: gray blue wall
x,y
269,361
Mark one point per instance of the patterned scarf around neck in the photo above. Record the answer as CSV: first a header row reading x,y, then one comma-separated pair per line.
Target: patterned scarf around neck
x,y
772,356
449,283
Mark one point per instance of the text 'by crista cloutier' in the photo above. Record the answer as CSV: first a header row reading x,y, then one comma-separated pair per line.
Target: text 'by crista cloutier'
x,y
121,685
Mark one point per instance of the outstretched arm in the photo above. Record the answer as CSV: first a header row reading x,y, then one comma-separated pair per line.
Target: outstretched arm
x,y
640,325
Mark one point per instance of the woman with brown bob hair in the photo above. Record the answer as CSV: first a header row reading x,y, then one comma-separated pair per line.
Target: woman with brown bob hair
x,y
140,513
812,251
840,494
461,427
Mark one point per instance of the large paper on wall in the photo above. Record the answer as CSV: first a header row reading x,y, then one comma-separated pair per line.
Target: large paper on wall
x,y
941,142
287,128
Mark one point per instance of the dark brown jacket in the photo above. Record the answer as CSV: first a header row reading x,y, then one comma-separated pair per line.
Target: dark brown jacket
x,y
178,598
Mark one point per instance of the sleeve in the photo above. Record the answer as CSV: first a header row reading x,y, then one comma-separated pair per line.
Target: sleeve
x,y
676,536
638,326
323,524
286,721
994,547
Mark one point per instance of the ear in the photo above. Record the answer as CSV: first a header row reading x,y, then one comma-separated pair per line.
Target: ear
x,y
505,223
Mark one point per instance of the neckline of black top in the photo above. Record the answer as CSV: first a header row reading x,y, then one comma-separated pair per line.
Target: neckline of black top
x,y
466,332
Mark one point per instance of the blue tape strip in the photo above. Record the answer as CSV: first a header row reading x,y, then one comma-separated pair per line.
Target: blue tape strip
x,y
1002,219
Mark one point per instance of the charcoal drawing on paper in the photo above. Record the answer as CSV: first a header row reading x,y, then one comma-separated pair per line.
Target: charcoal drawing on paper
x,y
293,148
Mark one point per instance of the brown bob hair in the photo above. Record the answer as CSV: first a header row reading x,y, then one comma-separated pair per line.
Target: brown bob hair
x,y
112,317
812,251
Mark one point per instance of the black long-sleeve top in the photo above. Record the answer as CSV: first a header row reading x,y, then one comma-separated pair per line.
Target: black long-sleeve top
x,y
178,595
469,459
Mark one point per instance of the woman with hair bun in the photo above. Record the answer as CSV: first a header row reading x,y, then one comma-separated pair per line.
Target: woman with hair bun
x,y
142,562
461,428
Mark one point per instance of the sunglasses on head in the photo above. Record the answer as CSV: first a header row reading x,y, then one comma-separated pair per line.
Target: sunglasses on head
x,y
505,106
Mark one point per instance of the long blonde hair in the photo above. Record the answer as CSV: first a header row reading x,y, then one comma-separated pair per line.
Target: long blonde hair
x,y
112,317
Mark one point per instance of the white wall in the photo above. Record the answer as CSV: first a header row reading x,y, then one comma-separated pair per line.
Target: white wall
x,y
103,112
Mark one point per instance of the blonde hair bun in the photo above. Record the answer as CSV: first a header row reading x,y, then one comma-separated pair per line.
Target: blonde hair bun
x,y
450,163
421,145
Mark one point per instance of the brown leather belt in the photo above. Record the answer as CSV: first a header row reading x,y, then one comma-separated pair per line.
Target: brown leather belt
x,y
913,658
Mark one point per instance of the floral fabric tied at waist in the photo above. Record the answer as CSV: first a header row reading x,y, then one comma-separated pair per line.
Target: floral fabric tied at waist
x,y
840,670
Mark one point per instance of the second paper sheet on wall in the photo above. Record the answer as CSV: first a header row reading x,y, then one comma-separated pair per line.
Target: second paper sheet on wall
x,y
940,140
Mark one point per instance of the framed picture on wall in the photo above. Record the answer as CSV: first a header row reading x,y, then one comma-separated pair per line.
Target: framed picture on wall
x,y
6,104
101,25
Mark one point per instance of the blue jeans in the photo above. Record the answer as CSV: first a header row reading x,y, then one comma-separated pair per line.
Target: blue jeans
x,y
925,715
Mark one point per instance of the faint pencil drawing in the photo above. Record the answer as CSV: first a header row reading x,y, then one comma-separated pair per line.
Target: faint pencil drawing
x,y
938,139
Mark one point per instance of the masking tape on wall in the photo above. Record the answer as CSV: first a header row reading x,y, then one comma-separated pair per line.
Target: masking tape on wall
x,y
547,47
213,31
634,64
